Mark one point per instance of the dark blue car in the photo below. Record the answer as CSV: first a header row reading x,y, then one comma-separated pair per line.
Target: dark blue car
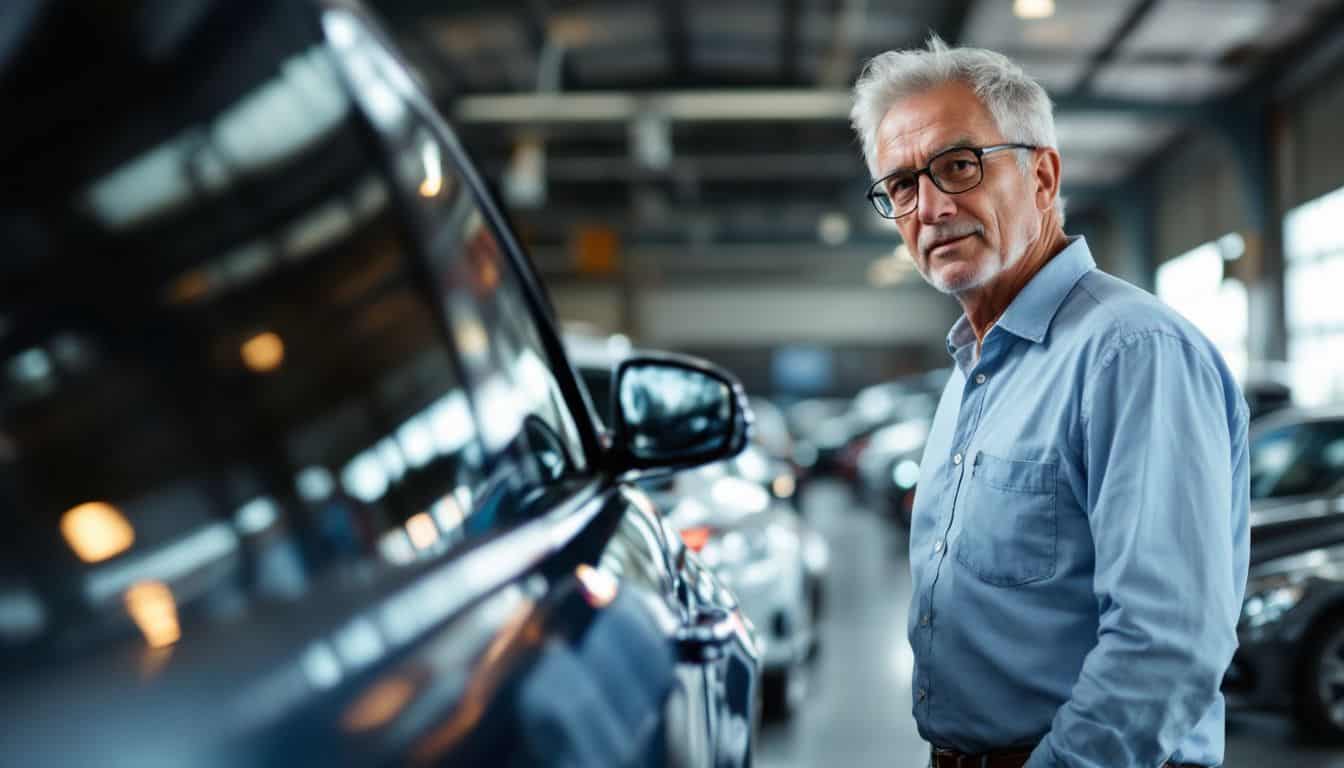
x,y
294,467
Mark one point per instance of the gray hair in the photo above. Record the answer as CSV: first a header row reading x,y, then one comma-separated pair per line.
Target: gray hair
x,y
1019,105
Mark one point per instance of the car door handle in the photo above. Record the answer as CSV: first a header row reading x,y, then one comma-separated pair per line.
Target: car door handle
x,y
706,638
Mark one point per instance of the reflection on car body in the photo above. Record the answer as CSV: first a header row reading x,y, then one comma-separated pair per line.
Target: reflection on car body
x,y
740,520
296,469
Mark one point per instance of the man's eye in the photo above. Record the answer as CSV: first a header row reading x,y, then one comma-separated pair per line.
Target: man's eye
x,y
901,185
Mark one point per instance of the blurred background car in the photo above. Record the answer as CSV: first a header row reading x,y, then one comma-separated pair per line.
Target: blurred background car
x,y
1291,655
771,433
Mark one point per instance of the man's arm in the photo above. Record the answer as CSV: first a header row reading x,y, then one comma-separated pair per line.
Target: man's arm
x,y
1168,580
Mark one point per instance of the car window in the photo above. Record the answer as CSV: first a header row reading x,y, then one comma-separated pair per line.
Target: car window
x,y
1298,459
486,305
235,366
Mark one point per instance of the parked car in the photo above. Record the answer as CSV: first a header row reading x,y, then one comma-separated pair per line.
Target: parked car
x,y
739,517
819,427
888,468
841,440
295,467
771,432
1291,654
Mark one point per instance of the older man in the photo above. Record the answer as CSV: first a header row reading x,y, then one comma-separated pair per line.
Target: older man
x,y
1080,536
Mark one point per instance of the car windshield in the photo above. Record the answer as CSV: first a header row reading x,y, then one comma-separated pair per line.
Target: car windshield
x,y
1298,459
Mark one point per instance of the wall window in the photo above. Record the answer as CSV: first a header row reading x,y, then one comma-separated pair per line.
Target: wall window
x,y
1193,284
1314,250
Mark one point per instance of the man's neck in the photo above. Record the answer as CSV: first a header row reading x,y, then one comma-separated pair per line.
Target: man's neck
x,y
986,304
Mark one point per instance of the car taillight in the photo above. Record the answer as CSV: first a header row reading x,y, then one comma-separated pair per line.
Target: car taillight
x,y
696,537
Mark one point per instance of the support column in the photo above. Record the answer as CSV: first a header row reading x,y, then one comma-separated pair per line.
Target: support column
x,y
1253,133
1134,211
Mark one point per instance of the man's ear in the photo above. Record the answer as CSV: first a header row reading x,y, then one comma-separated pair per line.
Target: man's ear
x,y
1046,173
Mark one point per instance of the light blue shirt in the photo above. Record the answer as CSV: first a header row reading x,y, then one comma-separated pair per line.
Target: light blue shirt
x,y
1080,536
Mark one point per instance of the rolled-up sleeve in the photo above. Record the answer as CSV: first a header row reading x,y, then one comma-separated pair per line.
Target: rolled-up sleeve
x,y
1158,446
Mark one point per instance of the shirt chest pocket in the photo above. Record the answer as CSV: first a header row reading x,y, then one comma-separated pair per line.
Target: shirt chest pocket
x,y
1008,529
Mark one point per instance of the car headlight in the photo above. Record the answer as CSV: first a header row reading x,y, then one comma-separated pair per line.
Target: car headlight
x,y
737,548
738,495
905,474
1268,600
784,485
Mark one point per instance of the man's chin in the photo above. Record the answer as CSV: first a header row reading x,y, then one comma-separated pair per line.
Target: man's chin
x,y
958,280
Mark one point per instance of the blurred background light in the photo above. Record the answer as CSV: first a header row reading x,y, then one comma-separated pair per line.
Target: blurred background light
x,y
1034,9
97,531
152,607
264,352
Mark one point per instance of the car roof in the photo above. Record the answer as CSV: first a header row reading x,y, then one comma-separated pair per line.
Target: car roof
x,y
1287,416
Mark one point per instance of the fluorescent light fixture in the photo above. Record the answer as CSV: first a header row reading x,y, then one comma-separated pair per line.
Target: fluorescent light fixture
x,y
1033,9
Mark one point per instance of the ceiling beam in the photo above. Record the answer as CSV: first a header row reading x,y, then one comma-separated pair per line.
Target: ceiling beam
x,y
1303,64
741,167
676,38
778,105
790,33
535,25
951,22
1106,53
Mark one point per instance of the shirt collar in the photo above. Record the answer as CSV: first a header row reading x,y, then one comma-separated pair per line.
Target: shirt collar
x,y
1030,313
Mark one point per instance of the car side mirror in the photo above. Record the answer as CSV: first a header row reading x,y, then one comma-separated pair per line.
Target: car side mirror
x,y
673,411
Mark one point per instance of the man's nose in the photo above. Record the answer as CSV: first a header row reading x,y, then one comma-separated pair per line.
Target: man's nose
x,y
934,203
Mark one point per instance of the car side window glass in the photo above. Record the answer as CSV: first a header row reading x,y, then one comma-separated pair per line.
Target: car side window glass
x,y
1298,460
523,411
234,379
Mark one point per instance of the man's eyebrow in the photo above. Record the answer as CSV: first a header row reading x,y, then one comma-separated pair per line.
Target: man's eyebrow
x,y
957,143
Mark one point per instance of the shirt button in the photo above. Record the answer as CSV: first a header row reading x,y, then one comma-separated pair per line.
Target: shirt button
x,y
922,694
938,546
924,620
956,459
980,378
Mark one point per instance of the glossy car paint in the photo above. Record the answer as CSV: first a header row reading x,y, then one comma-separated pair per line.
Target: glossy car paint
x,y
549,640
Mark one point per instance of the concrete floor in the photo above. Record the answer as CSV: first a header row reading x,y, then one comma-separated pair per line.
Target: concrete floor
x,y
858,710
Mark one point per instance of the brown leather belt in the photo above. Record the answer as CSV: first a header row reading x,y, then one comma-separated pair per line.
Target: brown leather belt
x,y
947,758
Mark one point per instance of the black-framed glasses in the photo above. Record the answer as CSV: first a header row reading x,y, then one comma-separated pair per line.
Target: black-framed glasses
x,y
955,170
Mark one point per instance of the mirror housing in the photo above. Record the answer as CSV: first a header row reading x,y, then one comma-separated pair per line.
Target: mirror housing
x,y
673,411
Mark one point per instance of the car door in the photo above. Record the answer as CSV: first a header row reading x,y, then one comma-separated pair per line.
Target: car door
x,y
294,469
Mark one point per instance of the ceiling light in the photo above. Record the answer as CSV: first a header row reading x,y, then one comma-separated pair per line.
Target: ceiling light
x,y
1033,9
